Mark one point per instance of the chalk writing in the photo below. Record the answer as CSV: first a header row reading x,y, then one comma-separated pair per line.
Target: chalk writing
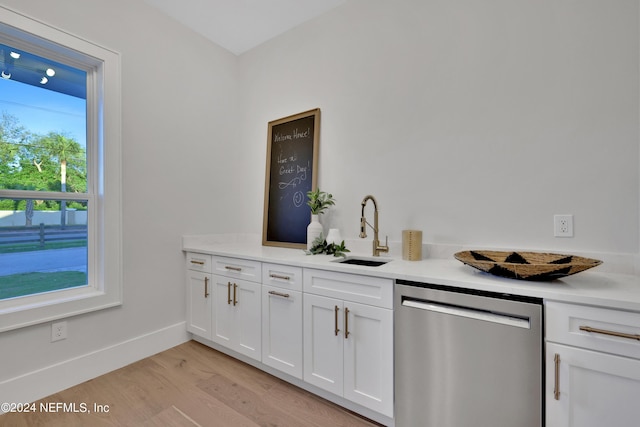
x,y
298,199
295,134
301,172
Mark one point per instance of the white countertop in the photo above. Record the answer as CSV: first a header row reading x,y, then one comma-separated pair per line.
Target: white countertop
x,y
591,287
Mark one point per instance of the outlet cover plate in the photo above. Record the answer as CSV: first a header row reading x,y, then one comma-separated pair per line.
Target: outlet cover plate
x,y
58,331
563,225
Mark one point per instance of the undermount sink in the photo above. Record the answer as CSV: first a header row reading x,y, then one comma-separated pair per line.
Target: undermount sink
x,y
368,262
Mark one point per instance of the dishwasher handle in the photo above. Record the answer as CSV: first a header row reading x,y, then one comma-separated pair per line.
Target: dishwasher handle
x,y
470,313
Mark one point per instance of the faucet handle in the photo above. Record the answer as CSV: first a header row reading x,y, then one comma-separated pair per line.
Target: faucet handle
x,y
363,227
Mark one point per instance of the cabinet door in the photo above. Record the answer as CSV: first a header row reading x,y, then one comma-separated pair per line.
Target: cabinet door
x,y
246,301
199,303
368,356
282,330
223,311
595,389
323,342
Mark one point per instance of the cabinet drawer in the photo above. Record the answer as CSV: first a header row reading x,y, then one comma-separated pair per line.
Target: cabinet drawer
x,y
199,262
282,276
349,287
602,329
237,268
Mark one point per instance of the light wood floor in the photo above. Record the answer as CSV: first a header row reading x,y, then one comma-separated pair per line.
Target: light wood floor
x,y
188,385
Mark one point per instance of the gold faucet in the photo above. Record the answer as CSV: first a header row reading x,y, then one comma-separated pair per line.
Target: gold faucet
x,y
377,248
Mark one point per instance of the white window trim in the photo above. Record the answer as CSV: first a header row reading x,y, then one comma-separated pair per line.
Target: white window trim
x,y
105,229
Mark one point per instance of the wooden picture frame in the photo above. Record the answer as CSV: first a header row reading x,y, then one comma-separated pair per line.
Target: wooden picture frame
x,y
292,165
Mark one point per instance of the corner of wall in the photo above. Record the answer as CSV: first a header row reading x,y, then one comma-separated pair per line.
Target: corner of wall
x,y
43,382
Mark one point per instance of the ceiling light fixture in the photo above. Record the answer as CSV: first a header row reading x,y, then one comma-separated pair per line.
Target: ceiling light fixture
x,y
44,80
5,75
15,55
50,72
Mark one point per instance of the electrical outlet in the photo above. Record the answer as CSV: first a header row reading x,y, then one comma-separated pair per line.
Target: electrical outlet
x,y
58,331
563,225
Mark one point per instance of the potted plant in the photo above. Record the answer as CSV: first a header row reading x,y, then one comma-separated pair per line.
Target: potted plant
x,y
321,246
318,201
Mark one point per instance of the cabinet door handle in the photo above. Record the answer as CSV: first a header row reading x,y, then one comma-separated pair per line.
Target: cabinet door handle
x,y
335,311
235,301
228,267
556,386
228,292
206,287
278,294
611,333
193,261
346,323
277,276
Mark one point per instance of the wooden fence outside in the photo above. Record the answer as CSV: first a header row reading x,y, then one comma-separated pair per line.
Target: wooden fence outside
x,y
41,234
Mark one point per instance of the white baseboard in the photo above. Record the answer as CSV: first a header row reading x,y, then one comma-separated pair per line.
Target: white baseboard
x,y
43,382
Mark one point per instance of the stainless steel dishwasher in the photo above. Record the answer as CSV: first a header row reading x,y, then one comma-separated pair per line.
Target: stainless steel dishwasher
x,y
467,358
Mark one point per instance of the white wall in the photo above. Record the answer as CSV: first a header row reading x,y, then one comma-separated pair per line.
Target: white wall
x,y
475,122
179,117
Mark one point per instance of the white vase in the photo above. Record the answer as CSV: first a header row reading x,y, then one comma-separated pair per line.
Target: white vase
x,y
314,229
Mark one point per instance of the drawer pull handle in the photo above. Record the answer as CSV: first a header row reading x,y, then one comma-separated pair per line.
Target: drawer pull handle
x,y
336,330
277,276
206,287
346,323
556,387
278,294
235,301
228,267
611,333
193,261
228,293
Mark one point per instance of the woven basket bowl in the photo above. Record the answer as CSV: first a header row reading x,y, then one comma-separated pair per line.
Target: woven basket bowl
x,y
535,266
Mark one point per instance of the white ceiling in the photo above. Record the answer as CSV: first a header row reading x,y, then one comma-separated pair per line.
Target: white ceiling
x,y
240,25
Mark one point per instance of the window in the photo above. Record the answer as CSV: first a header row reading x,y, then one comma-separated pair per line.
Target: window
x,y
60,235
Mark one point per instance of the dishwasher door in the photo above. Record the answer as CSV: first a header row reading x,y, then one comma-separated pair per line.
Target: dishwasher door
x,y
466,359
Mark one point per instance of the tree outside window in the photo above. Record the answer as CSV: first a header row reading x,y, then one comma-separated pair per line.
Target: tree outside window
x,y
43,168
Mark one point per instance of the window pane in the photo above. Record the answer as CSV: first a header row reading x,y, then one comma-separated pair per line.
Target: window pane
x,y
43,246
43,123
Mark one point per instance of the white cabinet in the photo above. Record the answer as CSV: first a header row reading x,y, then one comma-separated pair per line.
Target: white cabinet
x,y
199,301
282,318
592,366
368,356
348,337
237,305
324,330
323,343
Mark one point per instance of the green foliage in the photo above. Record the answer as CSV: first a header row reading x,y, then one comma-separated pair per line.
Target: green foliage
x,y
7,205
12,135
320,246
319,201
77,205
36,162
17,285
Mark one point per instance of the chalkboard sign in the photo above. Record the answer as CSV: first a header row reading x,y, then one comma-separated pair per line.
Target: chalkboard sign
x,y
292,153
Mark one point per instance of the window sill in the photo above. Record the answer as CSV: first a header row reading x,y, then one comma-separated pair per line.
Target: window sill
x,y
26,311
